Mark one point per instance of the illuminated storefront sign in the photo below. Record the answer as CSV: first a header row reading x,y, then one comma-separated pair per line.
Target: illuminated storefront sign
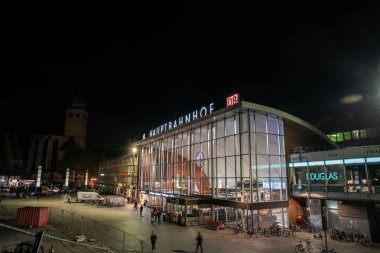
x,y
322,176
203,111
232,100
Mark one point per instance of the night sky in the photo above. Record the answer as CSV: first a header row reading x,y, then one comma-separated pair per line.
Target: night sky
x,y
145,65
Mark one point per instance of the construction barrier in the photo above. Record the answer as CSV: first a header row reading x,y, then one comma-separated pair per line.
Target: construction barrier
x,y
32,216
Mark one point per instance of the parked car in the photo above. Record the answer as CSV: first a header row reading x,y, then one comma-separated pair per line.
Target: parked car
x,y
55,189
215,225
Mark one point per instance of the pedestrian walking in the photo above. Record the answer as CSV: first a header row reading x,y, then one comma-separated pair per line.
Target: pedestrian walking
x,y
69,199
153,239
159,216
155,215
141,210
199,242
135,204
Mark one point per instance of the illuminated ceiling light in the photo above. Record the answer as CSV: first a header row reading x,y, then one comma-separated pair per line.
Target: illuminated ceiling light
x,y
351,99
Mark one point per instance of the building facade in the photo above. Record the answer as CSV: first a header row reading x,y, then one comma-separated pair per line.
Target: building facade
x,y
228,165
119,176
346,182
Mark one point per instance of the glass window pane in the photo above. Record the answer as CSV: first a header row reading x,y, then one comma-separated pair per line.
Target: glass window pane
x,y
283,166
230,147
245,140
195,149
204,133
252,121
245,165
230,126
197,135
273,144
237,125
221,168
238,172
347,136
231,166
264,190
213,131
275,166
332,137
275,184
262,165
253,143
272,125
363,133
339,137
220,129
281,126
245,121
261,123
179,140
261,143
231,183
282,146
204,149
220,147
355,134
237,145
374,176
335,174
254,167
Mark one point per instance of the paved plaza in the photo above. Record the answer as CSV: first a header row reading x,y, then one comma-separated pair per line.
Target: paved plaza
x,y
175,238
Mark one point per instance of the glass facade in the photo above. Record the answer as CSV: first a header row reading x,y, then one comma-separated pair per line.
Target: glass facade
x,y
237,157
344,183
119,176
345,176
373,132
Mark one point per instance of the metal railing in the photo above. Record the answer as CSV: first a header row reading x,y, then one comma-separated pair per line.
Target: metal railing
x,y
111,238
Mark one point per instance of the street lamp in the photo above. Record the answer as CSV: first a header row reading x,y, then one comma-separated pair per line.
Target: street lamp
x,y
134,150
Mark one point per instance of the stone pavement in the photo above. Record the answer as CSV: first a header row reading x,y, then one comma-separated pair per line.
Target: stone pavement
x,y
174,238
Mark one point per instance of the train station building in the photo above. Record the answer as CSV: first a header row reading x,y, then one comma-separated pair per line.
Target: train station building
x,y
228,165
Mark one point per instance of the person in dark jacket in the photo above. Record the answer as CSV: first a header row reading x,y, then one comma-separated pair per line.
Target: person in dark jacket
x,y
199,242
153,239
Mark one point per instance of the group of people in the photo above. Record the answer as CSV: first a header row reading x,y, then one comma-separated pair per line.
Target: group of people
x,y
155,215
199,238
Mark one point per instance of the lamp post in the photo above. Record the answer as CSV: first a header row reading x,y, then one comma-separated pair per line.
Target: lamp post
x,y
134,150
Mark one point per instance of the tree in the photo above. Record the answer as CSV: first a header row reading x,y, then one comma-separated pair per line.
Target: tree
x,y
78,160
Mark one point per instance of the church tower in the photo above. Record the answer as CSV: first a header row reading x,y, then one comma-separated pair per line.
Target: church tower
x,y
76,119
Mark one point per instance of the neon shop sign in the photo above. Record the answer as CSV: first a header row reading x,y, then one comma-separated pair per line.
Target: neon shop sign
x,y
322,176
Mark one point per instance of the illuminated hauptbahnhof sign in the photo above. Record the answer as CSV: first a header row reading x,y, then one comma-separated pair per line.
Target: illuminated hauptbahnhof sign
x,y
203,111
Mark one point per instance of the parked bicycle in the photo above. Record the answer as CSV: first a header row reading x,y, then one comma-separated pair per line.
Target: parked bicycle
x,y
237,229
318,236
362,240
300,248
250,232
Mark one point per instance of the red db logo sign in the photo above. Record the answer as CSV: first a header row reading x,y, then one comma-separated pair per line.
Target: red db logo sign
x,y
234,99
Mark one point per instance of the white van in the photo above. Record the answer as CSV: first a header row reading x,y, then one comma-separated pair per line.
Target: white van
x,y
89,196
